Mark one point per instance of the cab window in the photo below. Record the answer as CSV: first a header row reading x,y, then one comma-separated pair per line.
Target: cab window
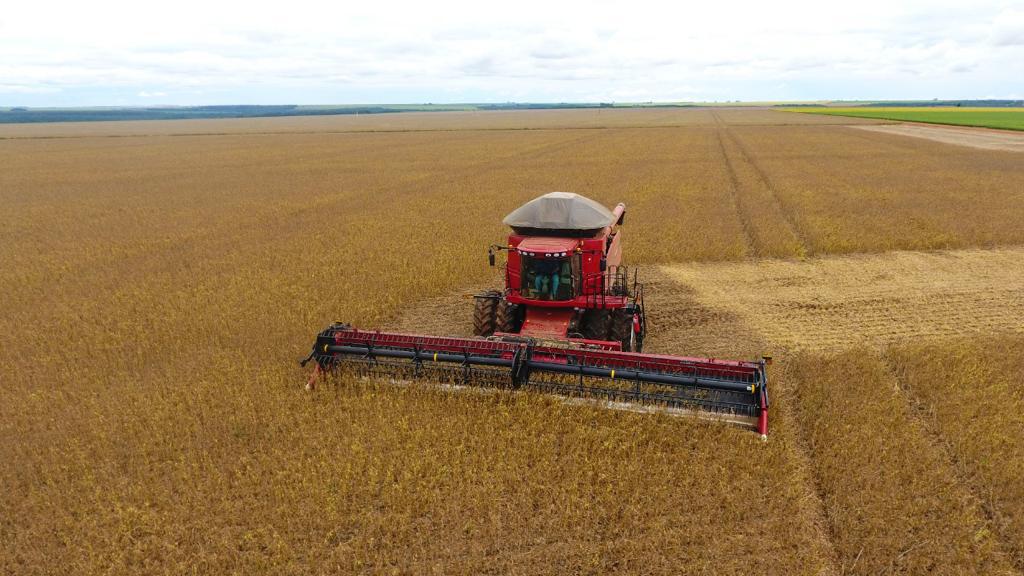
x,y
546,278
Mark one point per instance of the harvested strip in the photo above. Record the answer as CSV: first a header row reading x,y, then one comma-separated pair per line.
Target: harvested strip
x,y
891,497
865,300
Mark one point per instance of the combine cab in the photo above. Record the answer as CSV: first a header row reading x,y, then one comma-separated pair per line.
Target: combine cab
x,y
570,321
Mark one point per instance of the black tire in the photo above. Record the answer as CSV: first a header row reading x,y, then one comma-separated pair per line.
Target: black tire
x,y
483,315
505,317
594,325
622,329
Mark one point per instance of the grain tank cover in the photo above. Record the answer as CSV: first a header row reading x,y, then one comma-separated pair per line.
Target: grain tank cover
x,y
560,211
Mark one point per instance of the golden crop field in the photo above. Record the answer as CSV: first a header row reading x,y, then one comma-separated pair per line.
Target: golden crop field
x,y
160,280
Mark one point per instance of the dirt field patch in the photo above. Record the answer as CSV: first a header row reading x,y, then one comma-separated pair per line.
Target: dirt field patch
x,y
973,137
447,315
865,300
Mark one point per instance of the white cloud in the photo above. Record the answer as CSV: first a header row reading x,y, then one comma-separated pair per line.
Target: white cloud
x,y
23,89
310,51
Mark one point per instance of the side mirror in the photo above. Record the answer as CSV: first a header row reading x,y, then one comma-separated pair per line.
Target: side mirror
x,y
490,257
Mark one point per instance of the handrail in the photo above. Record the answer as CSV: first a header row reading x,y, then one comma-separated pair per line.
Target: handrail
x,y
614,281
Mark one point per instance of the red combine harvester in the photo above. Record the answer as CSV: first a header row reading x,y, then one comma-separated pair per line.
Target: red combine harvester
x,y
570,321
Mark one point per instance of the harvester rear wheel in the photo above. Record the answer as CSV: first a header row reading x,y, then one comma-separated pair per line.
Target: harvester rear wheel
x,y
505,317
483,315
594,325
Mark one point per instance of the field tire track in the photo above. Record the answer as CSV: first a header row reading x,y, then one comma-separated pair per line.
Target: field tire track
x,y
879,140
750,246
801,452
785,210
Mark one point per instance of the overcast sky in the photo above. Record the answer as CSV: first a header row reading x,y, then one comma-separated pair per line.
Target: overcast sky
x,y
73,53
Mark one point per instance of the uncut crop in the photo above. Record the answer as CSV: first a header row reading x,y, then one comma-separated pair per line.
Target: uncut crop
x,y
161,293
972,395
158,292
890,493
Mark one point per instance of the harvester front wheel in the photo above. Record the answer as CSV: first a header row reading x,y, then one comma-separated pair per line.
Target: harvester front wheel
x,y
484,314
505,317
622,330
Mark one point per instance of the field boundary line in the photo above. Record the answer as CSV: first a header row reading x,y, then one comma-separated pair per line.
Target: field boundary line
x,y
900,111
917,410
950,135
872,136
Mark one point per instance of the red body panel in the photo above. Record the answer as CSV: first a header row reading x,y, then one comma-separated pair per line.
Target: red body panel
x,y
582,302
547,323
546,245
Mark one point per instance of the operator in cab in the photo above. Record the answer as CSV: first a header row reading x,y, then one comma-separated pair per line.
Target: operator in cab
x,y
548,272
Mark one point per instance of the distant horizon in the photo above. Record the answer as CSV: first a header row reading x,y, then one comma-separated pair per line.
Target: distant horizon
x,y
34,115
555,102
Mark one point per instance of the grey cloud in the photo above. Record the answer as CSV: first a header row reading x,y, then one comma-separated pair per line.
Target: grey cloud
x,y
264,37
724,63
801,65
484,66
405,48
1009,37
28,89
554,53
